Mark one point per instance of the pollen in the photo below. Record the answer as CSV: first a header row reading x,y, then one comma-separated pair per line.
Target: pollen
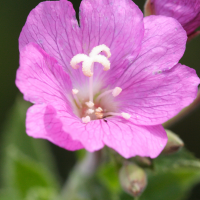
x,y
126,115
89,104
75,91
86,119
116,91
90,111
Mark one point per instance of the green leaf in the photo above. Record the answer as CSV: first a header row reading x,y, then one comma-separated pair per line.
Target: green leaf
x,y
109,176
26,163
26,173
9,194
41,194
14,133
173,177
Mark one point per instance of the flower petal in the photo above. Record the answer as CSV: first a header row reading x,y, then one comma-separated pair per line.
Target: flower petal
x,y
116,23
186,12
130,140
42,122
40,78
155,98
163,46
53,26
90,134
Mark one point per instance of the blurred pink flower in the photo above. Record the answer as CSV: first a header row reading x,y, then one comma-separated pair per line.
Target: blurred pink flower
x,y
187,12
123,106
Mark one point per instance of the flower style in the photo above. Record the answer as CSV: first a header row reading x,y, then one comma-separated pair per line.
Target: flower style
x,y
187,12
111,81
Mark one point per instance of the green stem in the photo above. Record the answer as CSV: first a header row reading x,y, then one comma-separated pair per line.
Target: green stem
x,y
80,176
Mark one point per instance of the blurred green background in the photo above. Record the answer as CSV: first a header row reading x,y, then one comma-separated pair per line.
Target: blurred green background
x,y
13,14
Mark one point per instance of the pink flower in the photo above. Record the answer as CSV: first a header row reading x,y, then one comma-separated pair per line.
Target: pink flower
x,y
187,12
129,83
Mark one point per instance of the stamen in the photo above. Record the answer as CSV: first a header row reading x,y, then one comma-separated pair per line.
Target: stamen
x,y
124,115
91,85
115,92
89,104
74,92
99,115
86,119
90,111
88,64
99,109
97,50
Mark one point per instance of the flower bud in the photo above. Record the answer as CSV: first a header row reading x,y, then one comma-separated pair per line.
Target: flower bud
x,y
148,8
133,179
174,143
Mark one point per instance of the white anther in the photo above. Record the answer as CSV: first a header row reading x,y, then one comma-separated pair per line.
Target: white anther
x,y
77,59
99,115
99,109
75,91
86,119
98,49
116,91
90,111
126,115
89,104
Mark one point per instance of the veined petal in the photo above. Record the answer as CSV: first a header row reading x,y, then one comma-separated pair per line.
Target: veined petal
x,y
163,46
90,135
187,12
40,78
158,97
116,23
130,140
53,26
42,122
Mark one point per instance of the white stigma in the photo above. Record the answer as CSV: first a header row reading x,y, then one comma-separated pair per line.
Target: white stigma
x,y
97,50
75,91
116,91
86,119
89,104
77,59
88,61
126,115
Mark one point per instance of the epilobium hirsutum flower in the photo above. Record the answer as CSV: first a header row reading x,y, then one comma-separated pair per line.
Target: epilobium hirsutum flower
x,y
187,12
111,81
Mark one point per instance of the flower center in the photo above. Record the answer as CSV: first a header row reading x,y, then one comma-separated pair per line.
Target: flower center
x,y
95,107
